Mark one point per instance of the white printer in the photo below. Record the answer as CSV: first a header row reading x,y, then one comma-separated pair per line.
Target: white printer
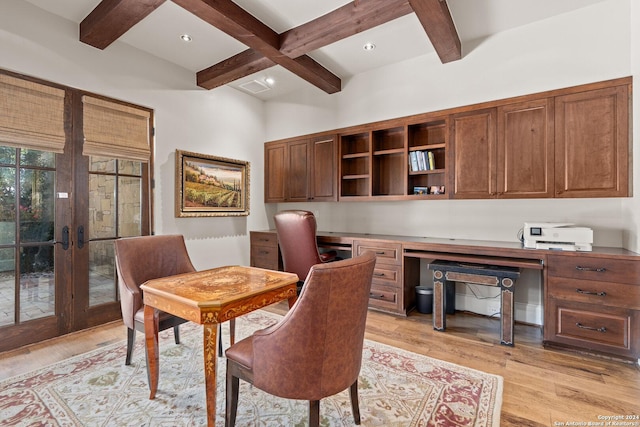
x,y
557,236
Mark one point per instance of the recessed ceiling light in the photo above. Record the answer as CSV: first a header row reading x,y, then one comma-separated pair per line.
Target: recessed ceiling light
x,y
270,81
186,38
369,46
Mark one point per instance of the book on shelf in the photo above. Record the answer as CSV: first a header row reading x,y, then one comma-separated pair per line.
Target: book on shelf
x,y
413,161
432,160
422,163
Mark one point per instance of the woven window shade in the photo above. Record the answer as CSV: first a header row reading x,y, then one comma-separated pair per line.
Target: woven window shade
x,y
31,115
115,130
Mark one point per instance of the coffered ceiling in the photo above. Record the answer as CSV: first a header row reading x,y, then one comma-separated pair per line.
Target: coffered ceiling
x,y
270,47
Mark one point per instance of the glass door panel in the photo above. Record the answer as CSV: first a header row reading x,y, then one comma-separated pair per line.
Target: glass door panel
x,y
115,210
27,221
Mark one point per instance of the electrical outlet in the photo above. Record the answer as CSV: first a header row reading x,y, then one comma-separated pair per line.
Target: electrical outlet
x,y
493,307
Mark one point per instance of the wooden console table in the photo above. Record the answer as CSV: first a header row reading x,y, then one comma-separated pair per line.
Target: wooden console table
x,y
591,299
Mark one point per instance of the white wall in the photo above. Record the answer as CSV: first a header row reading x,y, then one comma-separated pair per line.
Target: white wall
x,y
223,122
588,45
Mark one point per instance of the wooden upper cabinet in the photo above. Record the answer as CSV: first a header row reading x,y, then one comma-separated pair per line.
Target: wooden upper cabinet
x,y
592,143
324,172
301,170
297,172
525,150
275,159
473,137
569,142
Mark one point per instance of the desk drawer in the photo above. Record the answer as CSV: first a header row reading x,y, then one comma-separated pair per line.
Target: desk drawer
x,y
584,326
386,253
595,292
386,275
264,239
384,298
592,268
265,257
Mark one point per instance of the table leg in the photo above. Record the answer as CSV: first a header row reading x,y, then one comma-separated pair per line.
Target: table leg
x,y
439,301
292,300
210,344
151,348
506,317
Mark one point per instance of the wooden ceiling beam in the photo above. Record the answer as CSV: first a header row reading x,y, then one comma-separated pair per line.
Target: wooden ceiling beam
x,y
241,65
110,19
244,27
350,19
436,19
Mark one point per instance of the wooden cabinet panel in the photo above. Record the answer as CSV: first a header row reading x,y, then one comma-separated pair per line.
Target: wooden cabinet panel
x,y
323,172
298,171
592,143
613,331
525,150
595,292
301,170
474,154
599,269
275,157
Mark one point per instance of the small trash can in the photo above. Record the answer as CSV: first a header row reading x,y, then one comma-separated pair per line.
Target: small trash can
x,y
424,299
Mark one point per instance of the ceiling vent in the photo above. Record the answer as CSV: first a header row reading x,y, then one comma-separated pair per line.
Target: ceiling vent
x,y
255,86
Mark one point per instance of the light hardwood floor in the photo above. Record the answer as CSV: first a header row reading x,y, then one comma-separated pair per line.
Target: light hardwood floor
x,y
542,387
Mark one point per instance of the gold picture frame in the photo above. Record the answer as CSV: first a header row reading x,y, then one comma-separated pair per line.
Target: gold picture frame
x,y
211,186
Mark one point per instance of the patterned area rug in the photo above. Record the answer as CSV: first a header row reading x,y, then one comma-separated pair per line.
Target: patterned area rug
x,y
396,387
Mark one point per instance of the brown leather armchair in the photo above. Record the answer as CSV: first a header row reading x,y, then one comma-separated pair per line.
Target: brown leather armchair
x,y
296,230
315,351
143,258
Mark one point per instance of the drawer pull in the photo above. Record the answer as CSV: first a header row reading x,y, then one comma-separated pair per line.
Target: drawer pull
x,y
597,270
600,294
591,328
376,296
378,274
380,252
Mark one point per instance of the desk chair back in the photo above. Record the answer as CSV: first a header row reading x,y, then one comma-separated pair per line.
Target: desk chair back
x,y
296,231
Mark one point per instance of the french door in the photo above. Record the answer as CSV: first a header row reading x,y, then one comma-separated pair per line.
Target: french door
x,y
59,216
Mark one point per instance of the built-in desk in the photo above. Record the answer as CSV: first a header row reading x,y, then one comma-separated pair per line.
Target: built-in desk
x,y
591,299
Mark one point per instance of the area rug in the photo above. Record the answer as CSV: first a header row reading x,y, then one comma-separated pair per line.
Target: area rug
x,y
396,388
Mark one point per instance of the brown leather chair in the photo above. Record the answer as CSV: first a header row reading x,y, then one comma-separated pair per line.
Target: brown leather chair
x,y
143,258
315,351
296,230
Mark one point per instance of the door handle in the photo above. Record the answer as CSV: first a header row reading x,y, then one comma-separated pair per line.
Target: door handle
x,y
80,237
65,237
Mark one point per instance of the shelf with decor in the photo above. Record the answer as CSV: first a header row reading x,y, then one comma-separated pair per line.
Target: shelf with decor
x,y
427,146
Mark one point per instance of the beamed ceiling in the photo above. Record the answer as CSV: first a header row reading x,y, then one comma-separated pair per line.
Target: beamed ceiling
x,y
314,41
266,48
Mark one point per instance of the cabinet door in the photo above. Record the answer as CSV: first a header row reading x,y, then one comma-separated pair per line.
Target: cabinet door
x,y
591,143
275,158
323,170
297,174
474,154
525,150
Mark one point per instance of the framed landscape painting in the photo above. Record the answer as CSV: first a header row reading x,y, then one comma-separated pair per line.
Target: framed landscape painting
x,y
211,186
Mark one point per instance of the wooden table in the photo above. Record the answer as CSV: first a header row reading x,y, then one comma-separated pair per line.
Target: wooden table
x,y
210,297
